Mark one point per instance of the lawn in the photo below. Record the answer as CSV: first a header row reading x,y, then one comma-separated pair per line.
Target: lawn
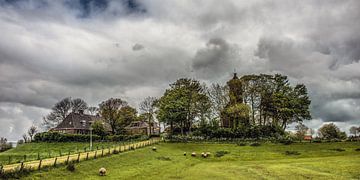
x,y
268,161
46,150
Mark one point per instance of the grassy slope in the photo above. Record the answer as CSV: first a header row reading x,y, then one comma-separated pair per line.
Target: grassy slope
x,y
32,149
267,161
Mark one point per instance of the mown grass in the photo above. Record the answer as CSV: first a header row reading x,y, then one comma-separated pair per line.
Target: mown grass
x,y
267,161
46,150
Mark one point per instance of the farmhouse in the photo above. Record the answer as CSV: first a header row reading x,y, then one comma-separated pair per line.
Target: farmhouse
x,y
78,123
142,127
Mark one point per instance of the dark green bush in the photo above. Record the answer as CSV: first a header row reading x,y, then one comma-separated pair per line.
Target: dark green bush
x,y
61,137
163,158
286,141
338,149
255,144
357,149
71,166
289,153
221,153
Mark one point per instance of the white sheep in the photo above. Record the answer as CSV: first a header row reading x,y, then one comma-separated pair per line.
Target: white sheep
x,y
102,171
154,148
193,154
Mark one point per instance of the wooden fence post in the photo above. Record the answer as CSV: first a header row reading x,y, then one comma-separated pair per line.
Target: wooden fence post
x,y
87,156
102,152
1,169
39,167
55,162
95,154
78,159
22,166
67,160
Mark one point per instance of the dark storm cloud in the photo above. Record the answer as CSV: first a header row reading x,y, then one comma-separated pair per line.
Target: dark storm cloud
x,y
90,49
216,58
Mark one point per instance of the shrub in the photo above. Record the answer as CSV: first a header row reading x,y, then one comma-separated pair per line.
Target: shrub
x,y
60,137
116,151
338,149
255,144
221,153
286,141
71,167
289,153
317,141
357,149
163,158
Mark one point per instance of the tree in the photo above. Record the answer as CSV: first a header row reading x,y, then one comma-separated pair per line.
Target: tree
x,y
180,104
98,128
32,131
219,97
109,111
147,107
127,114
93,110
62,109
78,105
301,130
330,131
26,139
354,130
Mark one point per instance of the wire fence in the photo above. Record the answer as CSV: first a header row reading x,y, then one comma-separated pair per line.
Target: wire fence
x,y
78,157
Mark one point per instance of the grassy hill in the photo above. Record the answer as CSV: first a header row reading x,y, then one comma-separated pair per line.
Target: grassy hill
x,y
270,161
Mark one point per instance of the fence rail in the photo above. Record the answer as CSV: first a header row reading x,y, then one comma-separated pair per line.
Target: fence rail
x,y
81,156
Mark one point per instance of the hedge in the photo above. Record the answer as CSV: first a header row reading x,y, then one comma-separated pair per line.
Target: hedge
x,y
60,137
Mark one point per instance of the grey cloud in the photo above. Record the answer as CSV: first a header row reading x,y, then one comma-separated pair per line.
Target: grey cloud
x,y
137,47
216,58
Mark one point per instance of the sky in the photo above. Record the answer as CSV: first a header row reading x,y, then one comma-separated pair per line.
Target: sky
x,y
131,49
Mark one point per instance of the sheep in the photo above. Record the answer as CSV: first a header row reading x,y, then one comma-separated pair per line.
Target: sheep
x,y
208,153
193,154
184,153
102,171
154,148
203,154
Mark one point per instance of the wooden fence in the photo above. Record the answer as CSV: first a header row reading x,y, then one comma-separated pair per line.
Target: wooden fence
x,y
81,156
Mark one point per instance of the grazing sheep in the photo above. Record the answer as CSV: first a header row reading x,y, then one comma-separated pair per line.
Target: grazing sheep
x,y
154,148
202,154
184,153
193,154
102,171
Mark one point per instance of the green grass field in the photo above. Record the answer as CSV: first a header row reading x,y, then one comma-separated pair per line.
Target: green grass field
x,y
45,150
268,161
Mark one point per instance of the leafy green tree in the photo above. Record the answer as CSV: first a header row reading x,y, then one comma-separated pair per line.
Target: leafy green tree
x,y
127,114
110,112
330,131
182,104
99,128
